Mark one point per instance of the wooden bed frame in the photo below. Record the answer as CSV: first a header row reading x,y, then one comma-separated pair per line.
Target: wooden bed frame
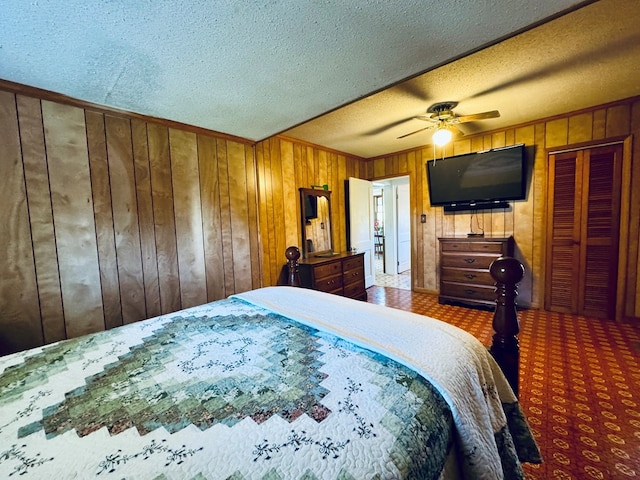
x,y
505,347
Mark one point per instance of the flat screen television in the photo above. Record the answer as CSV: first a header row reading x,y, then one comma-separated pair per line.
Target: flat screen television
x,y
478,180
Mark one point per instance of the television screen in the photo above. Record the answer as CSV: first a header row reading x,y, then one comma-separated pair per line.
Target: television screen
x,y
478,180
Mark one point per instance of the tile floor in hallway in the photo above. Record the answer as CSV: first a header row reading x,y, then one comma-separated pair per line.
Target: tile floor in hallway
x,y
402,281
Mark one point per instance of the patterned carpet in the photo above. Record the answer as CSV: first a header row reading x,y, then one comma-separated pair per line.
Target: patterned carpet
x,y
579,385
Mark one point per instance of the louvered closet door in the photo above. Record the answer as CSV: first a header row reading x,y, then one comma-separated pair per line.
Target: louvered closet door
x,y
583,228
563,252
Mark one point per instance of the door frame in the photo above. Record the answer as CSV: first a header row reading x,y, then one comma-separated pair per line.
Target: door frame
x,y
390,207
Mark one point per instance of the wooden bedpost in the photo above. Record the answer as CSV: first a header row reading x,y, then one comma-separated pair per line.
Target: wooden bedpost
x,y
507,272
293,254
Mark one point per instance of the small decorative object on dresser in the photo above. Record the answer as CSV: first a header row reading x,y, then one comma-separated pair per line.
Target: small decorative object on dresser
x,y
464,269
338,273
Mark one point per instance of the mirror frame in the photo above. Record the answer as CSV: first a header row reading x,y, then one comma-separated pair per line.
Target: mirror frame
x,y
304,192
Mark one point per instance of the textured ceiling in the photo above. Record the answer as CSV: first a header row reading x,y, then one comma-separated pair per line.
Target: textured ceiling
x,y
257,68
587,57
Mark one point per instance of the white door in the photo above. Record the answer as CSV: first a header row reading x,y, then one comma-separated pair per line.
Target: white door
x,y
360,227
404,228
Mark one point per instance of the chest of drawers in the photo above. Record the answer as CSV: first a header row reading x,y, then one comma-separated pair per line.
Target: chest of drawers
x,y
341,274
464,269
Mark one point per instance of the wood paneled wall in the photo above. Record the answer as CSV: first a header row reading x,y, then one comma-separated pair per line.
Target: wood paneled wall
x,y
109,218
525,220
285,165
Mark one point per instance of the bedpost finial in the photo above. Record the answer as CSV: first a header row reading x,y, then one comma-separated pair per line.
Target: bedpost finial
x,y
507,270
292,253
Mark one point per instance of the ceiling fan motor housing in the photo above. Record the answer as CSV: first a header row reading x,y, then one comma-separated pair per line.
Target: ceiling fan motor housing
x,y
442,108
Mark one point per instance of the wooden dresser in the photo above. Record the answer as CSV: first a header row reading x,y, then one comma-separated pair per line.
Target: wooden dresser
x,y
464,269
340,274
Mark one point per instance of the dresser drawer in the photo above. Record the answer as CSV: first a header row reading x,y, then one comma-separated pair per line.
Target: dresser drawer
x,y
330,284
352,263
470,292
455,246
479,277
355,275
327,270
467,261
486,247
354,290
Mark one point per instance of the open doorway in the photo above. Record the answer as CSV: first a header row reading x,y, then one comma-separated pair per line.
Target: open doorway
x,y
392,233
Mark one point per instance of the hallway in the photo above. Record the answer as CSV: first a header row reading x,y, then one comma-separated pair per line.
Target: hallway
x,y
402,281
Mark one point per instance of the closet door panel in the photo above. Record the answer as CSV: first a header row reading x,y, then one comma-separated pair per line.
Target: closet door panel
x,y
583,229
599,233
562,266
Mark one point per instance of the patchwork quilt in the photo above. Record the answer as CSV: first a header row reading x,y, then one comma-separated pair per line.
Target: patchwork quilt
x,y
243,388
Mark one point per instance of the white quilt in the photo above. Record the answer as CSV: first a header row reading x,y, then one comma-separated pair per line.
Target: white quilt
x,y
456,362
234,390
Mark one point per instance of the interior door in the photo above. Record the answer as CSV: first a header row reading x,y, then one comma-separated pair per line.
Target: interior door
x,y
360,223
404,228
583,230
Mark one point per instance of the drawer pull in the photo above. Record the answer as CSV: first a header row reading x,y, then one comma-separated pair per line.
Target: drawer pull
x,y
469,260
470,276
469,291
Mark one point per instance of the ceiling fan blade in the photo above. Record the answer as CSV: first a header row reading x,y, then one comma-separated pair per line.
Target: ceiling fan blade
x,y
477,116
456,131
417,131
386,127
427,118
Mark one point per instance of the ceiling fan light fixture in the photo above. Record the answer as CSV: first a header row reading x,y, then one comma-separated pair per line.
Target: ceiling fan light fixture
x,y
441,137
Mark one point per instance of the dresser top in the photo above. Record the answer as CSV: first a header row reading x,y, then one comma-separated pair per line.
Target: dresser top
x,y
317,260
484,238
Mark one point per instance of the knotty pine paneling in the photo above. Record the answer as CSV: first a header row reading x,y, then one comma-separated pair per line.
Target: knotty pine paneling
x,y
524,219
110,219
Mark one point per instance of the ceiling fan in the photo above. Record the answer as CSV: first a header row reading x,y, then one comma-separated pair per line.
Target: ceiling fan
x,y
441,117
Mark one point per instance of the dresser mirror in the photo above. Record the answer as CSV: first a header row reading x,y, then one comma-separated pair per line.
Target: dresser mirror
x,y
315,216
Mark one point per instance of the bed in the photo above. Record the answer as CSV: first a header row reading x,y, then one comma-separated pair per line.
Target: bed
x,y
276,383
